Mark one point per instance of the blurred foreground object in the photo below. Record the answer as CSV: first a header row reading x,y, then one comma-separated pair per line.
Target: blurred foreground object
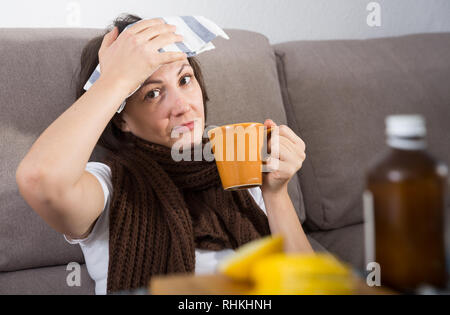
x,y
404,209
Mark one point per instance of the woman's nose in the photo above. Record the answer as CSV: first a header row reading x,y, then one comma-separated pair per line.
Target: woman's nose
x,y
180,107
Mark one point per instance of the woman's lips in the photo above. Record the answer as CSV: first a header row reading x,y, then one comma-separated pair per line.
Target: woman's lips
x,y
190,125
185,127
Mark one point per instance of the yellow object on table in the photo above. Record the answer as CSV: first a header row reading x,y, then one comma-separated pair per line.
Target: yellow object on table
x,y
271,271
301,274
238,265
262,267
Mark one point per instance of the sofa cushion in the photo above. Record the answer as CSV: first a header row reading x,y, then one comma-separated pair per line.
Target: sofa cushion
x,y
337,94
38,83
37,69
346,243
47,280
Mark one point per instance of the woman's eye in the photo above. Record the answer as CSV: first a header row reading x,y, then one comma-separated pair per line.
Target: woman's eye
x,y
153,94
156,92
186,79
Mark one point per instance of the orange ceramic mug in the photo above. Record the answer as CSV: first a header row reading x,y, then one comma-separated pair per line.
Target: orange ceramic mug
x,y
238,153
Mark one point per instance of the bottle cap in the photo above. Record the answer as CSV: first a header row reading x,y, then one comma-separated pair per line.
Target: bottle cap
x,y
405,126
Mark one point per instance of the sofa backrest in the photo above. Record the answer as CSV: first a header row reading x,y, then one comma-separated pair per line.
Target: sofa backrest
x,y
38,76
337,94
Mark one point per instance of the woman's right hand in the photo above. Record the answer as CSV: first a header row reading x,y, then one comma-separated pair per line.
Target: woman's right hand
x,y
133,56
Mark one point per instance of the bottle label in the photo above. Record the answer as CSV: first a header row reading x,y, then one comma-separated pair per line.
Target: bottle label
x,y
406,144
369,226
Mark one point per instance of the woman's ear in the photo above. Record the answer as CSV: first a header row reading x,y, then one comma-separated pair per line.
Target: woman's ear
x,y
124,126
121,123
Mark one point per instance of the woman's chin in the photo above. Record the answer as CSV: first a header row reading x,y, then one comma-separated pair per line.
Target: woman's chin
x,y
187,139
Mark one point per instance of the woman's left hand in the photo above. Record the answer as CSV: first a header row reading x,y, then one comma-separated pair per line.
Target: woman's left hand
x,y
284,164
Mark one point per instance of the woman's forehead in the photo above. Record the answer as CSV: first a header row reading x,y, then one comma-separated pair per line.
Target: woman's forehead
x,y
170,67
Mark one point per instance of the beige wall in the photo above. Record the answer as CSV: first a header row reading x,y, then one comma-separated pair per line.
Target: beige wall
x,y
279,20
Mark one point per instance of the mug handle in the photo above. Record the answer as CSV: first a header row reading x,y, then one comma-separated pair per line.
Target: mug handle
x,y
268,132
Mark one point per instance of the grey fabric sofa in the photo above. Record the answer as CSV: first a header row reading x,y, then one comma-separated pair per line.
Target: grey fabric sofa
x,y
333,94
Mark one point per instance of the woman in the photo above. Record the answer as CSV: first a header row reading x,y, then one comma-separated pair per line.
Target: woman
x,y
139,213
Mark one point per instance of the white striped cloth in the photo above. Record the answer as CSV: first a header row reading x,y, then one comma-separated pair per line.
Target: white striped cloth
x,y
197,32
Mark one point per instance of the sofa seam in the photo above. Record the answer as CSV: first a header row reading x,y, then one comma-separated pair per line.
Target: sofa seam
x,y
40,267
281,77
288,106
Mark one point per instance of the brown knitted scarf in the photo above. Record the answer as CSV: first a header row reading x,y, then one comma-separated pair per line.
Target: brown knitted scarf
x,y
161,210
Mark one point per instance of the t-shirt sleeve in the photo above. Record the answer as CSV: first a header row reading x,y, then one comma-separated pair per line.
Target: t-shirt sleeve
x,y
102,172
257,196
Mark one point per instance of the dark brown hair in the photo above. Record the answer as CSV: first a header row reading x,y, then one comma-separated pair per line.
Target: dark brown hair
x,y
113,138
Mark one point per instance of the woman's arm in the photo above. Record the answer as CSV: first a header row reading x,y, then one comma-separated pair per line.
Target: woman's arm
x,y
60,154
58,157
287,153
283,220
51,177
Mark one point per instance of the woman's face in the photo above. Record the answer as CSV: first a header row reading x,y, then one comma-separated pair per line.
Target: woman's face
x,y
169,98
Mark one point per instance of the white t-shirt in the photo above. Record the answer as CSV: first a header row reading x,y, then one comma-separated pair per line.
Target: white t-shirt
x,y
95,246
